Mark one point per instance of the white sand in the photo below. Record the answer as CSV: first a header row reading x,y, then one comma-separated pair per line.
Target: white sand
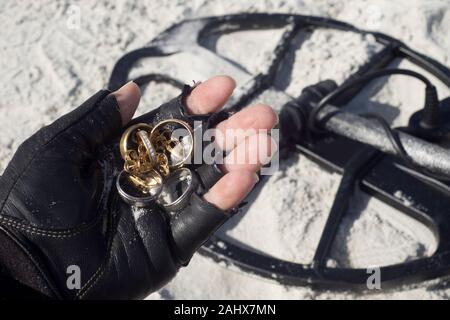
x,y
48,68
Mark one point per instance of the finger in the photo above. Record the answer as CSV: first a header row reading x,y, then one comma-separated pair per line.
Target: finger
x,y
231,189
251,154
211,95
194,226
231,132
128,97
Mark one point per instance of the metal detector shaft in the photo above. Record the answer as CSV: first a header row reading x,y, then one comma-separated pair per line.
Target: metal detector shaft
x,y
352,126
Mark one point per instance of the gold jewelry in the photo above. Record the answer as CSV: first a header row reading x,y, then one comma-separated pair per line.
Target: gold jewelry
x,y
147,182
149,154
163,164
127,135
177,150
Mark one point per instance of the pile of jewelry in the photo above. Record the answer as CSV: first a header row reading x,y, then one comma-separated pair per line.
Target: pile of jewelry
x,y
154,159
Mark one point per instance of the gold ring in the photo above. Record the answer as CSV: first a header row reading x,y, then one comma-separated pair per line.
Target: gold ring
x,y
126,135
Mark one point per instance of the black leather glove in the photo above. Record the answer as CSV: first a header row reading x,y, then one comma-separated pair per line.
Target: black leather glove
x,y
59,208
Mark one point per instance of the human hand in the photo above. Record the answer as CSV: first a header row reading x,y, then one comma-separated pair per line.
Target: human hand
x,y
58,207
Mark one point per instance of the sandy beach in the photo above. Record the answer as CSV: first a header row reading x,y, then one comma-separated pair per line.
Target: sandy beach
x,y
51,61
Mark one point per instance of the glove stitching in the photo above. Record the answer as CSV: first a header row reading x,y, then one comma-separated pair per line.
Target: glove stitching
x,y
101,269
37,263
94,279
45,232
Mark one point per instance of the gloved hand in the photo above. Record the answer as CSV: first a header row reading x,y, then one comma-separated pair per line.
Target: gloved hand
x,y
59,209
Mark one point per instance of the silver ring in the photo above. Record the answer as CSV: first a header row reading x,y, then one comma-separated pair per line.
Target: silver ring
x,y
189,145
170,197
148,145
132,195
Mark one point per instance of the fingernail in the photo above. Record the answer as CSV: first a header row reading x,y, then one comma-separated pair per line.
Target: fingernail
x,y
125,85
127,98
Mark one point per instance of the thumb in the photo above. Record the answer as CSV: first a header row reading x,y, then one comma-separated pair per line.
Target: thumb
x,y
100,120
103,121
96,121
127,97
79,132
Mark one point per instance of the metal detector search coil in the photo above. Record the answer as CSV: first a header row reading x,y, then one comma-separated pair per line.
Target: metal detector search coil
x,y
364,151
